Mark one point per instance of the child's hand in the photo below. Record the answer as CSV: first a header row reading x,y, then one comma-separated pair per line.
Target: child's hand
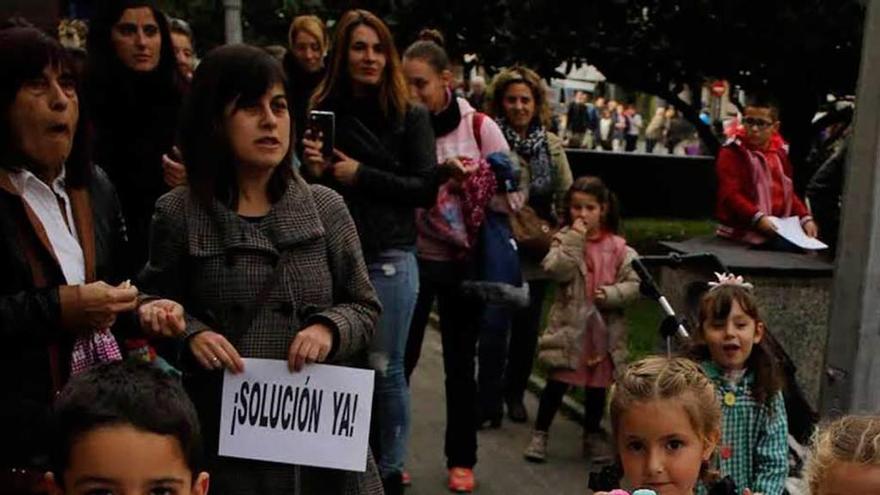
x,y
766,226
579,226
811,229
594,361
600,296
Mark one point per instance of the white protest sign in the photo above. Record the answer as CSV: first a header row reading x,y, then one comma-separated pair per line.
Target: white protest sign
x,y
319,416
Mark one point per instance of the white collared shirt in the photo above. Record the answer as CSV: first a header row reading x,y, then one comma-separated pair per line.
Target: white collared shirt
x,y
46,205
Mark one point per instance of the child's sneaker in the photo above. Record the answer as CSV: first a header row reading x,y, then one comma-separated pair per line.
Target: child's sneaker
x,y
596,447
461,480
537,449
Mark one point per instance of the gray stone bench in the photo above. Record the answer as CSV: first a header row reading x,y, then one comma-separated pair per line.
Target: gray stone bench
x,y
793,290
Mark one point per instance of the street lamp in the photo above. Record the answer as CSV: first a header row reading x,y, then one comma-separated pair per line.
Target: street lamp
x,y
232,9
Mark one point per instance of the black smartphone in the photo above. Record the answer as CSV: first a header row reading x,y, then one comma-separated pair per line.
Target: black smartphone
x,y
323,124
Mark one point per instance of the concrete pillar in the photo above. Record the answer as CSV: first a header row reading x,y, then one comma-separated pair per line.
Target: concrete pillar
x,y
232,9
852,360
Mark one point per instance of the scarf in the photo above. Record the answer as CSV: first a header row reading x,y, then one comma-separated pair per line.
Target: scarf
x,y
448,119
535,150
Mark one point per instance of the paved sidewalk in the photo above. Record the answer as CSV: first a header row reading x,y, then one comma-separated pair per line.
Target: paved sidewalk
x,y
501,469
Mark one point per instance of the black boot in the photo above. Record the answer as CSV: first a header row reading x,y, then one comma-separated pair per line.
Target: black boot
x,y
393,484
489,418
516,411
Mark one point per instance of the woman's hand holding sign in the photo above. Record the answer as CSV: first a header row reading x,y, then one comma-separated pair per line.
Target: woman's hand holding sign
x,y
312,344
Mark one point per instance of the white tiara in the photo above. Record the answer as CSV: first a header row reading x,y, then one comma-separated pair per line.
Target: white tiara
x,y
729,279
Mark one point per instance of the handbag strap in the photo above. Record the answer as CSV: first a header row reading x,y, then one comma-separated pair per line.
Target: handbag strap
x,y
247,318
477,122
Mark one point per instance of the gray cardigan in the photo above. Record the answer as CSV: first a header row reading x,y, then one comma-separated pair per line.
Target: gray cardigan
x,y
215,263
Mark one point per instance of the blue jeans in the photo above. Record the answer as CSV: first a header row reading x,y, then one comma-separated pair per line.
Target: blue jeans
x,y
395,275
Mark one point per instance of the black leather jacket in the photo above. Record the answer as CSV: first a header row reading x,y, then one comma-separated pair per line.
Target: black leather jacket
x,y
398,174
30,319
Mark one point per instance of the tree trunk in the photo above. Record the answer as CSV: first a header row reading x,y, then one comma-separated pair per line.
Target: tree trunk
x,y
797,113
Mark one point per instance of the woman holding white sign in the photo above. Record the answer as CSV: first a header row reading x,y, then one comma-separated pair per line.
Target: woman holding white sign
x,y
266,265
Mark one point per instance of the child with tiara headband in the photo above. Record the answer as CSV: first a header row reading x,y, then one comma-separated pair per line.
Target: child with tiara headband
x,y
730,347
666,424
846,457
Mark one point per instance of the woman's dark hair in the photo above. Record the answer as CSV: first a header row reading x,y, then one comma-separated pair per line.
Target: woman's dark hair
x,y
230,74
429,48
107,75
127,393
24,53
393,94
716,305
596,188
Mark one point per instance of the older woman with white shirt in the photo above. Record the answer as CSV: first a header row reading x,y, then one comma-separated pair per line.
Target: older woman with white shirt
x,y
60,239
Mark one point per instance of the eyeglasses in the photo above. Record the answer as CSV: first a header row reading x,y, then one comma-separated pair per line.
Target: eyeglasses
x,y
756,123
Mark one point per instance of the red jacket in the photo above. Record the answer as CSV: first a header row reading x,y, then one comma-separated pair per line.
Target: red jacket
x,y
738,206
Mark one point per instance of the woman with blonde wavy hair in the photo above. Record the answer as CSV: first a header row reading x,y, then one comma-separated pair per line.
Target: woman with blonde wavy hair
x,y
308,44
846,457
666,425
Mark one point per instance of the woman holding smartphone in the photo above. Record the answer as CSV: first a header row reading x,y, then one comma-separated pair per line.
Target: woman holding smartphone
x,y
384,165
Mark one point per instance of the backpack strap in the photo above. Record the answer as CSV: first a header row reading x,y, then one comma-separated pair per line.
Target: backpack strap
x,y
477,121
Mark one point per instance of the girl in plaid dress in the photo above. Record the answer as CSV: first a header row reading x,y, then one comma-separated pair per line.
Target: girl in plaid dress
x,y
731,349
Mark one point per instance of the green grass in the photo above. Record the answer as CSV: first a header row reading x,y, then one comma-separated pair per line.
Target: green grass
x,y
645,234
643,322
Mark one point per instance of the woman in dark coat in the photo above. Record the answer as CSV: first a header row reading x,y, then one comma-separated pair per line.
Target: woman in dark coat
x,y
215,246
61,238
385,166
133,91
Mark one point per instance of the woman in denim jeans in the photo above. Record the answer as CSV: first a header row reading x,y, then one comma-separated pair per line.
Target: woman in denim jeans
x,y
384,165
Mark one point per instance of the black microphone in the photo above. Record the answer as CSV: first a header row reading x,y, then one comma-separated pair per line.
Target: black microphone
x,y
649,288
